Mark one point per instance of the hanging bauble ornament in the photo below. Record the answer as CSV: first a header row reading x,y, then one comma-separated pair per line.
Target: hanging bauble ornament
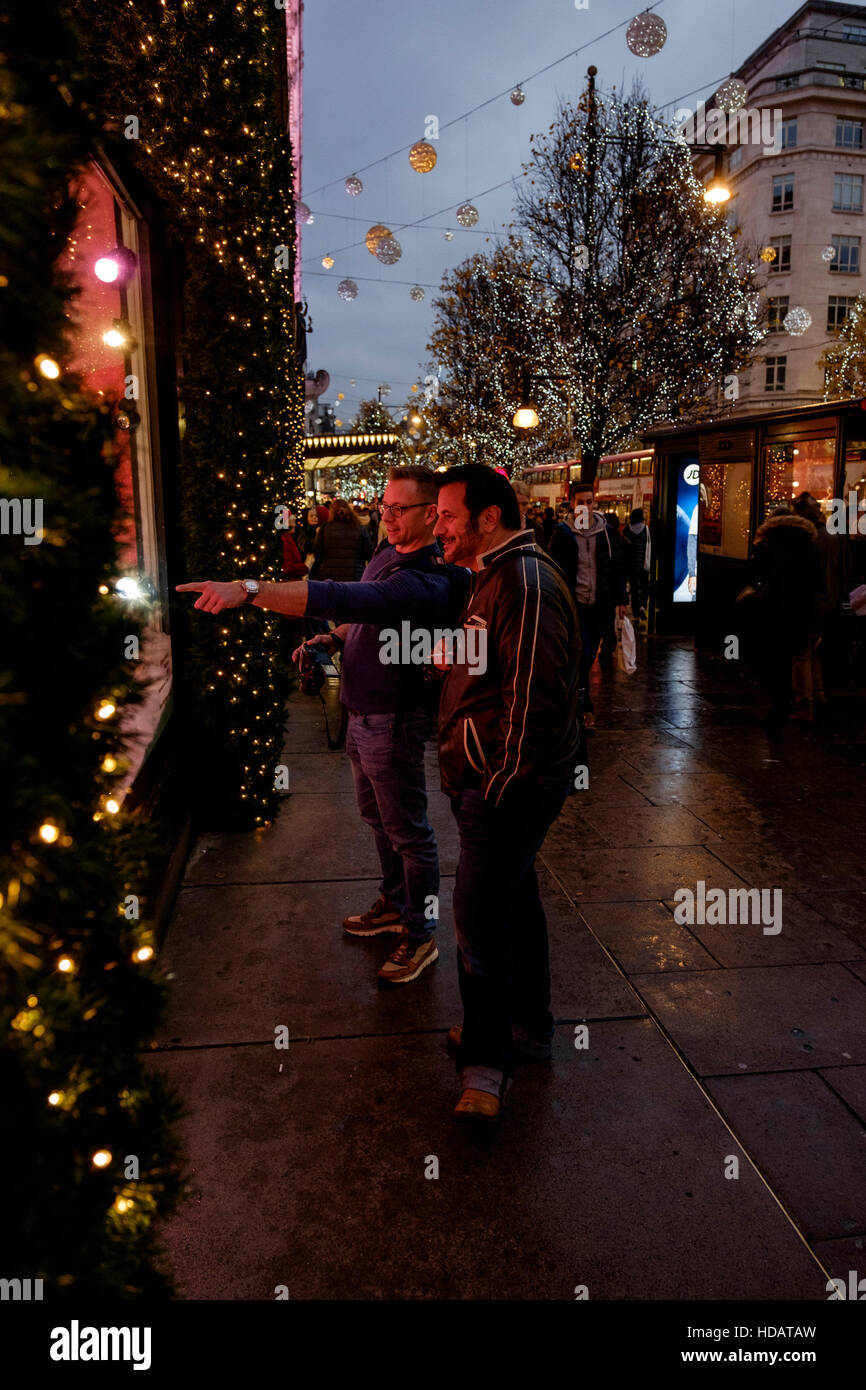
x,y
797,321
768,254
732,95
422,157
416,293
646,35
352,381
374,236
415,387
467,215
347,289
354,186
449,236
828,254
388,250
577,163
303,213
327,262
518,96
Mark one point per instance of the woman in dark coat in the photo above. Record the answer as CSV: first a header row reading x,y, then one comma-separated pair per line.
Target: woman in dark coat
x,y
786,579
343,545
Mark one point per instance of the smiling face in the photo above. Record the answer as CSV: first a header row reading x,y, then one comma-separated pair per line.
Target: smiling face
x,y
415,525
461,537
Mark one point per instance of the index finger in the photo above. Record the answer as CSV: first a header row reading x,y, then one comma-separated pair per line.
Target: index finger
x,y
196,587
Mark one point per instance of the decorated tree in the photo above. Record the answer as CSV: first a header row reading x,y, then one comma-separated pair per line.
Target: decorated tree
x,y
620,297
91,1159
490,320
652,305
192,91
844,361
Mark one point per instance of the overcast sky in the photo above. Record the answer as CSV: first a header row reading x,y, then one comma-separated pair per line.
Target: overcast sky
x,y
374,71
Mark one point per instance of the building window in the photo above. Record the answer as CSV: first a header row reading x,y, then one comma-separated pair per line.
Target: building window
x,y
732,215
854,33
830,67
839,307
783,83
783,193
777,309
776,368
849,133
789,134
801,465
847,193
858,83
782,247
847,258
735,159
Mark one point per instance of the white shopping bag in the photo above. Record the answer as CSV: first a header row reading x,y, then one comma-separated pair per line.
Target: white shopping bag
x,y
626,647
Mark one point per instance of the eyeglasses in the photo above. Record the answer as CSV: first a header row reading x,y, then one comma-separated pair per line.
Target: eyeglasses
x,y
397,511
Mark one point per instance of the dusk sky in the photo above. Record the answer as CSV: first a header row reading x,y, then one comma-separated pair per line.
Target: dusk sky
x,y
374,72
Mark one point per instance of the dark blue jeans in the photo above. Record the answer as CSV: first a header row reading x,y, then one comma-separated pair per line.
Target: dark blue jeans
x,y
593,618
502,960
391,790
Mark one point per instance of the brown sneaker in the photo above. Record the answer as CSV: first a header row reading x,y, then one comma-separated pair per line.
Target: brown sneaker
x,y
379,918
479,1106
407,962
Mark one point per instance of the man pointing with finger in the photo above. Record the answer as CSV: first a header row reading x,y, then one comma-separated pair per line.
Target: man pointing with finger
x,y
387,704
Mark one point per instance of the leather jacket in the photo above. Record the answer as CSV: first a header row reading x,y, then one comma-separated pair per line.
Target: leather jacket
x,y
514,726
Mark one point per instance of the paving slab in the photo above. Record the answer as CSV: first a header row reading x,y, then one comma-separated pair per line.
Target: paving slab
x,y
610,875
847,911
785,865
783,1122
805,935
761,1019
850,1084
626,1161
644,936
649,825
243,957
313,835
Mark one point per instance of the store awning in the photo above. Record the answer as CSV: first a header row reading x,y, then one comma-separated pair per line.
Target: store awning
x,y
345,450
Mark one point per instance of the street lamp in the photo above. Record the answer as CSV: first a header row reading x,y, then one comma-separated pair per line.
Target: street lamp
x,y
526,415
717,190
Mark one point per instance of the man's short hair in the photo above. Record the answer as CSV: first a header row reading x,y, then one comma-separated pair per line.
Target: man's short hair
x,y
583,487
484,487
425,479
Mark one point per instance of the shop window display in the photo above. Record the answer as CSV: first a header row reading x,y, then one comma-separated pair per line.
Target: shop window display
x,y
111,353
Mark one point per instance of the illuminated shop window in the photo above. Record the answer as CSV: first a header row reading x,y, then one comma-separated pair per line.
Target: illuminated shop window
x,y
104,258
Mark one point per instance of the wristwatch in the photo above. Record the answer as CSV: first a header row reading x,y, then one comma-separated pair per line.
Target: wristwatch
x,y
252,588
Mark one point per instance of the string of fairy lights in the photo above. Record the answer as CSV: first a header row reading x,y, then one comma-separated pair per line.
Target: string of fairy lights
x,y
645,35
257,250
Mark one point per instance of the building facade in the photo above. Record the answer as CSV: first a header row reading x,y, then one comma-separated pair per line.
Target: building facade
x,y
797,198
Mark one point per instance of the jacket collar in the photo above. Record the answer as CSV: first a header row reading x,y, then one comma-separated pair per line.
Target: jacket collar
x,y
523,540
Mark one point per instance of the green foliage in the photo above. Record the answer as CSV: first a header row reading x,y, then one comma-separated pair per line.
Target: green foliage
x,y
77,1034
844,361
201,81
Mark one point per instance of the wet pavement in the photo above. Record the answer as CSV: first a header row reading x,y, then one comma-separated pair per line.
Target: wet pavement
x,y
708,1141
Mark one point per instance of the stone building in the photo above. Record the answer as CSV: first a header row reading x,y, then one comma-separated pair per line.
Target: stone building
x,y
795,162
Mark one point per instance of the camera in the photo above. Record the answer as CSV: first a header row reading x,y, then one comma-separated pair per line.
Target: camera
x,y
311,668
